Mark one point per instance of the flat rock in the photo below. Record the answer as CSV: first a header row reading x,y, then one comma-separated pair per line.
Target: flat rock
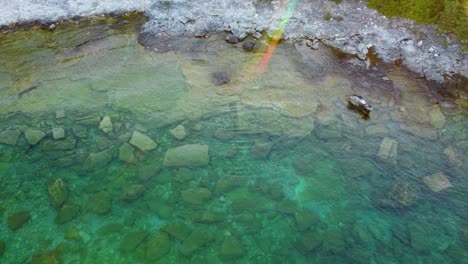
x,y
437,182
142,141
67,213
132,240
17,220
127,153
178,230
157,246
388,150
196,240
178,132
100,203
97,160
9,136
58,133
196,196
231,248
187,155
64,144
106,125
33,136
260,150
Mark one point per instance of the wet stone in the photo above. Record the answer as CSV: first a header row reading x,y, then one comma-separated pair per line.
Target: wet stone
x,y
97,160
388,150
187,155
126,153
18,219
67,213
58,192
305,219
9,136
178,230
100,203
133,192
33,136
178,132
132,240
261,150
437,182
220,78
158,245
196,240
106,125
58,133
142,141
231,248
196,196
65,144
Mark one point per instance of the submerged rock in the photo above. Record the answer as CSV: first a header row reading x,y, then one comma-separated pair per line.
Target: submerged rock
x,y
9,136
97,160
187,155
196,240
58,133
2,247
196,196
231,248
158,245
305,219
437,119
178,132
18,219
100,203
58,192
220,78
106,125
33,136
47,257
308,241
437,182
132,192
401,195
388,150
261,150
67,213
126,153
142,141
132,240
178,230
65,144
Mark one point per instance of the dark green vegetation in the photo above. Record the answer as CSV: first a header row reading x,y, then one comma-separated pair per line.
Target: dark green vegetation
x,y
450,15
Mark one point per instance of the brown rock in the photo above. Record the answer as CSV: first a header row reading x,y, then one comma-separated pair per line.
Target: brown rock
x,y
158,246
17,220
58,192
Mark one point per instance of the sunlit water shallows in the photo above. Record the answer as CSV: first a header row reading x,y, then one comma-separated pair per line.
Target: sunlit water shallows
x,y
114,153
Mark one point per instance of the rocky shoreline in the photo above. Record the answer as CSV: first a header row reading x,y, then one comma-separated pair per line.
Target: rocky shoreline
x,y
349,26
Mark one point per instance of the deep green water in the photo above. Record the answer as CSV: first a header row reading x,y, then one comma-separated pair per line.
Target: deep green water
x,y
291,176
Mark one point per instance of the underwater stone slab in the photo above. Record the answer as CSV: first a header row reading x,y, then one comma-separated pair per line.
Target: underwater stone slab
x,y
64,144
142,141
132,240
157,246
58,192
388,150
67,213
58,133
437,182
178,230
106,125
18,219
231,248
9,136
196,240
196,196
187,155
100,203
132,192
33,136
97,160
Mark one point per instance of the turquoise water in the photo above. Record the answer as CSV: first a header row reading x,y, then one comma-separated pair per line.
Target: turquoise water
x,y
159,165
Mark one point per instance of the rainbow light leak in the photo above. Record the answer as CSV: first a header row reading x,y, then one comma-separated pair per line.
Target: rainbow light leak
x,y
263,65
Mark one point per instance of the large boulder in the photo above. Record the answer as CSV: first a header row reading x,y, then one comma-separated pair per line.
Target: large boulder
x,y
187,155
142,141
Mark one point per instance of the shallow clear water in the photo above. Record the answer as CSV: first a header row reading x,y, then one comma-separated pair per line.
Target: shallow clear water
x,y
273,167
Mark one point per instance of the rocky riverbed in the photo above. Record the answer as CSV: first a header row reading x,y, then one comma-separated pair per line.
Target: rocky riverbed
x,y
178,152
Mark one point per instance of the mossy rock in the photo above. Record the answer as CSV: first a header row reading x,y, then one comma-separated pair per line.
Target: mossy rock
x,y
305,219
100,203
2,247
178,230
132,240
196,240
58,192
109,229
17,220
158,246
231,248
67,213
46,257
